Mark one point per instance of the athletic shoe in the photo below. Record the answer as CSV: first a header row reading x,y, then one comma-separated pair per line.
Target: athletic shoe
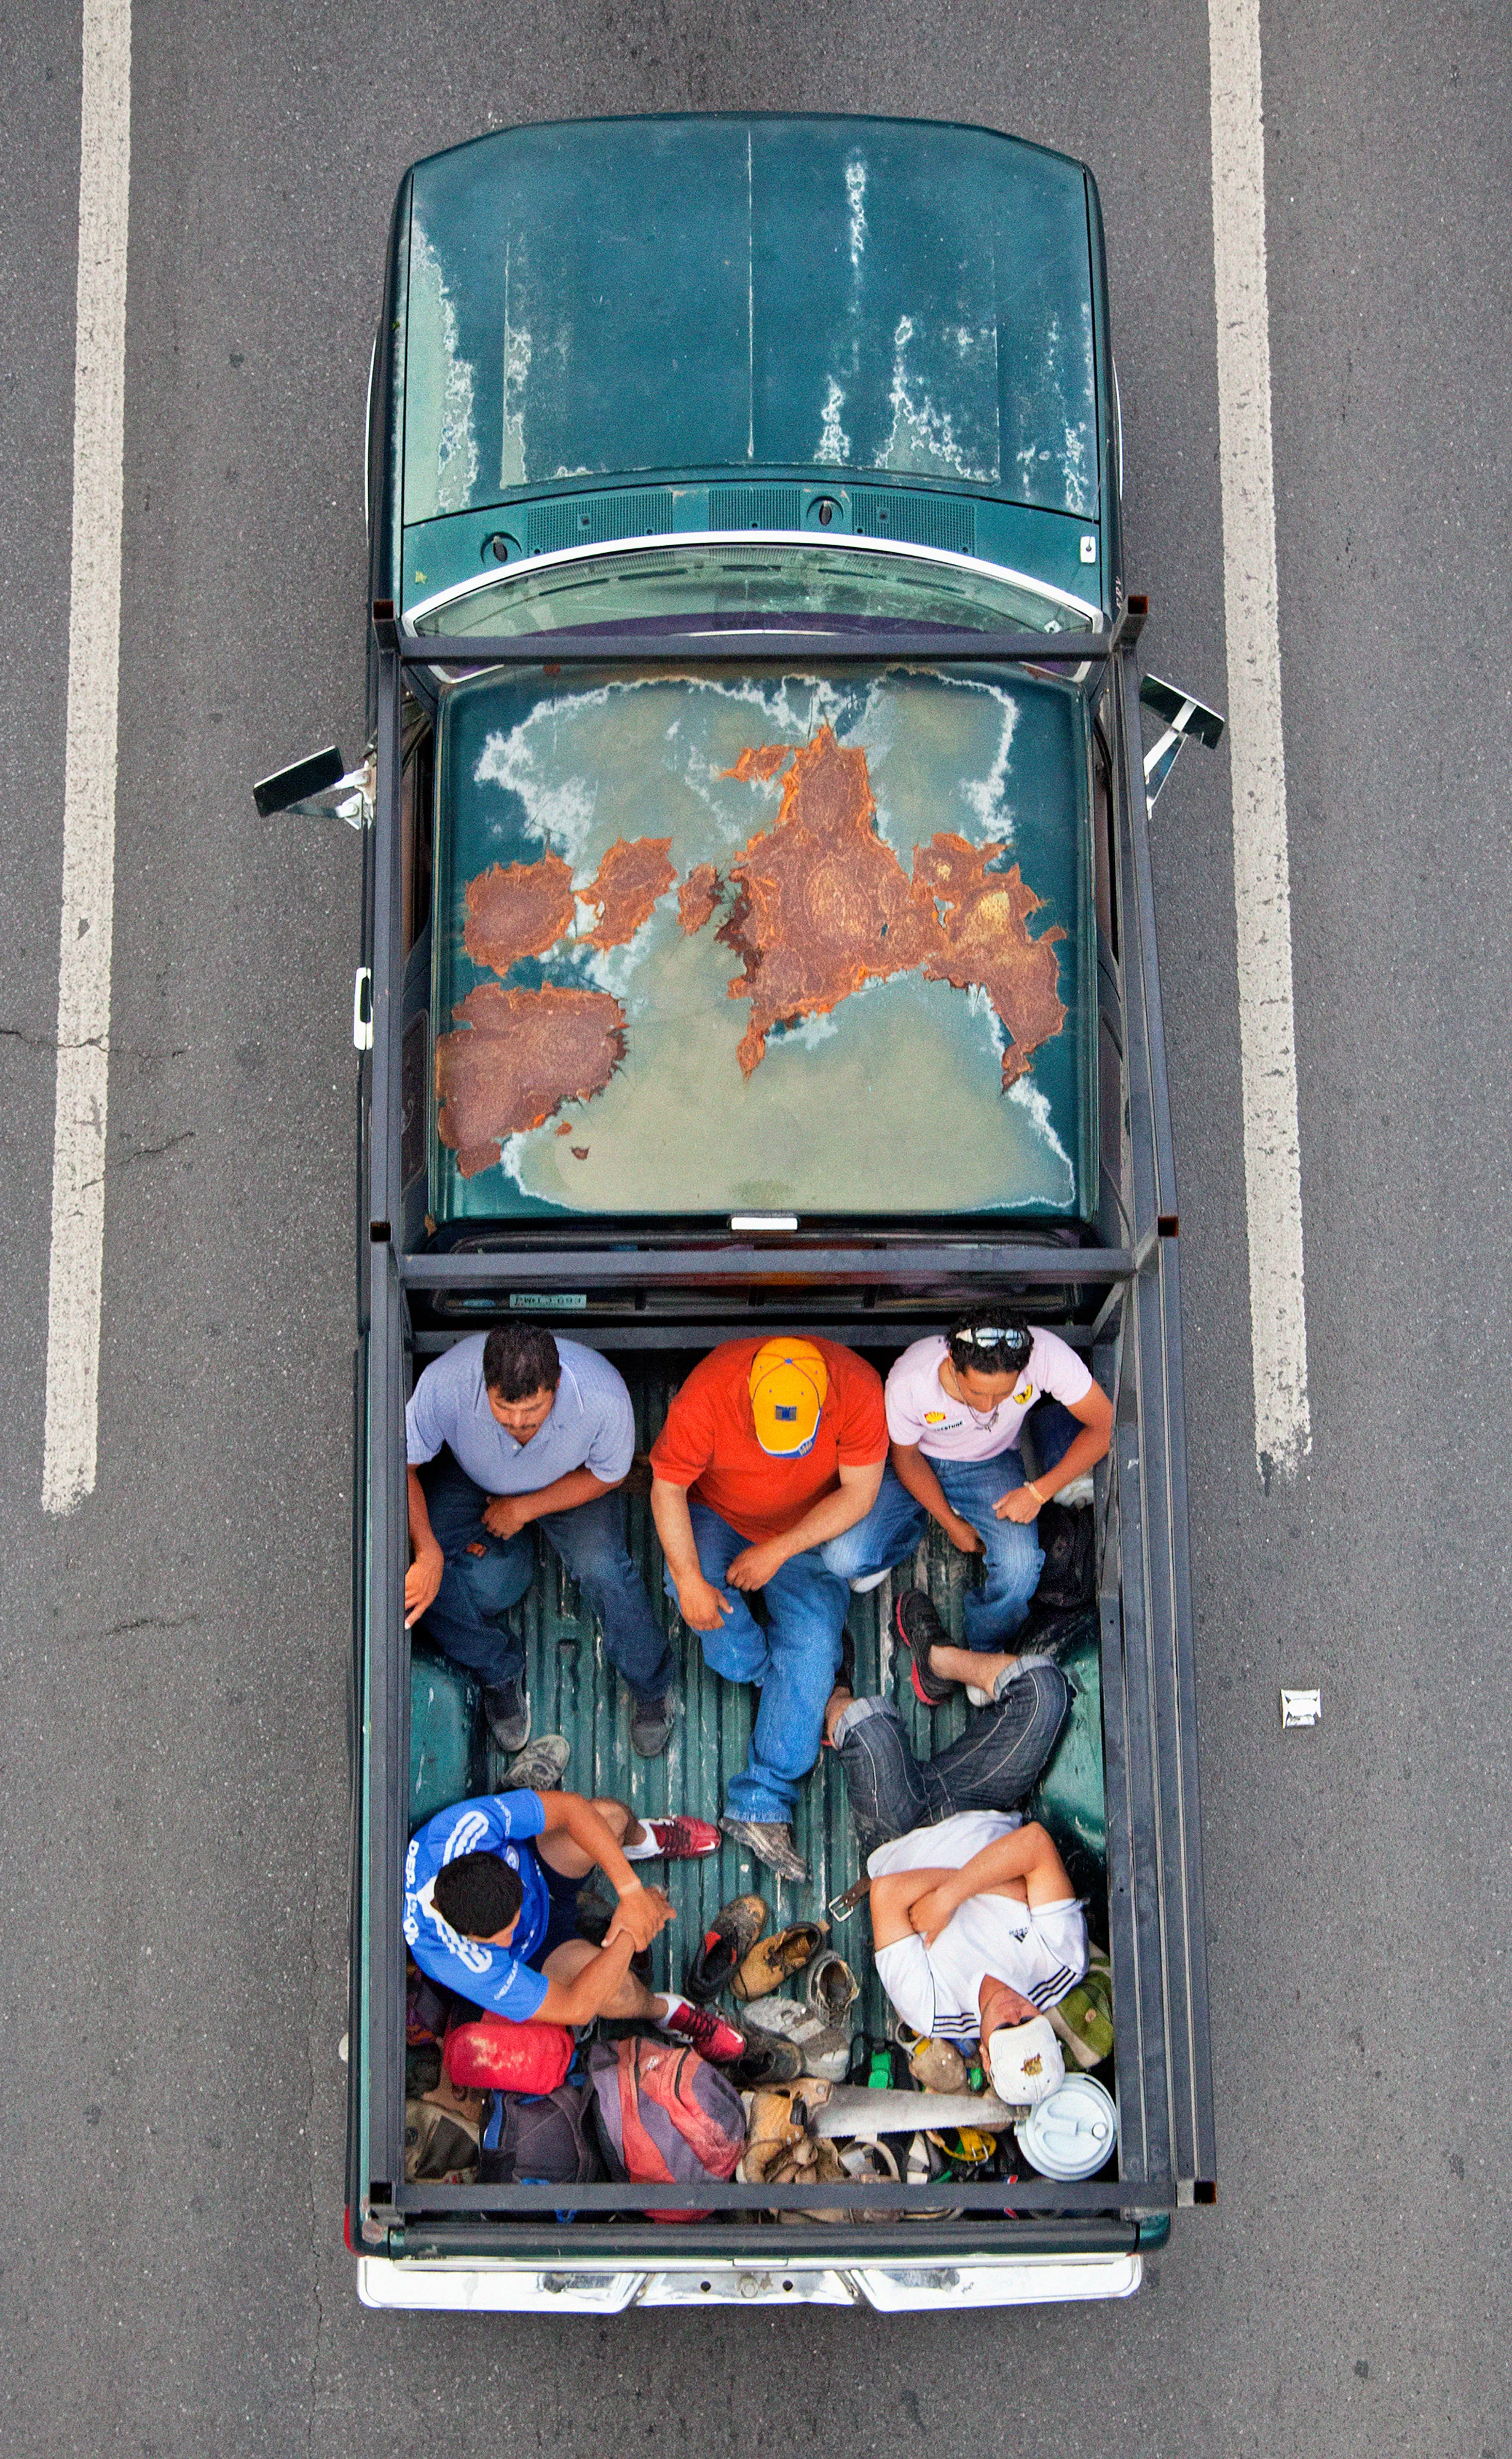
x,y
774,1960
770,1840
651,1723
918,1627
680,1839
540,1766
725,1944
704,2031
507,1708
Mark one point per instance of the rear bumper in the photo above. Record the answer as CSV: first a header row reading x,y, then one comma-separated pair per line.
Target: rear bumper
x,y
508,2288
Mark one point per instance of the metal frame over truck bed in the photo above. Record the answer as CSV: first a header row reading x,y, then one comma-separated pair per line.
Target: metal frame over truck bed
x,y
507,2247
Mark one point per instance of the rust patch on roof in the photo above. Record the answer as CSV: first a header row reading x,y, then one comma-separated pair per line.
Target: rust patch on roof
x,y
523,1053
761,765
520,912
632,875
824,904
986,944
698,896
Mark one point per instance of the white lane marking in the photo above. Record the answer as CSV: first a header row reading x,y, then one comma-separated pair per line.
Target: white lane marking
x,y
1262,877
89,775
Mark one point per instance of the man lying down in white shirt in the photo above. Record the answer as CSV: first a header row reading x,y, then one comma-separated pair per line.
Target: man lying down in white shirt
x,y
976,1932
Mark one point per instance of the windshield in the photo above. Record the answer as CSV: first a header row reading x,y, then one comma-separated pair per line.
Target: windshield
x,y
777,578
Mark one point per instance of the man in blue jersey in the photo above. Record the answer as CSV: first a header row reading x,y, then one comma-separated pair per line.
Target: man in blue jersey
x,y
491,1911
506,1433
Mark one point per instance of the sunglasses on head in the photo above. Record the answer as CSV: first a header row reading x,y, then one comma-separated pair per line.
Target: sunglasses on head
x,y
989,1335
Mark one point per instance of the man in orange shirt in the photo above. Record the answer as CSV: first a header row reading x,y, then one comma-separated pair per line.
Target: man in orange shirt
x,y
771,1450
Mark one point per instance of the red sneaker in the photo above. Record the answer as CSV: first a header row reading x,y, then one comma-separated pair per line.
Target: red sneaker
x,y
682,1839
705,2032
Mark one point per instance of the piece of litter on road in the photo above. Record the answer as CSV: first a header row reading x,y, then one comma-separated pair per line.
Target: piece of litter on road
x,y
1301,1707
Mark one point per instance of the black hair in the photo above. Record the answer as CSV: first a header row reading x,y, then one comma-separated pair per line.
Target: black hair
x,y
1008,1356
519,1360
478,1894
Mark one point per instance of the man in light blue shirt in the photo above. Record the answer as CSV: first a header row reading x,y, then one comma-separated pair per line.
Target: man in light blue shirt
x,y
500,1431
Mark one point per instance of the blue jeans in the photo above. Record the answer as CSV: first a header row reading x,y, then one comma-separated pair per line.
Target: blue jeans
x,y
992,1767
485,1575
1013,1557
795,1660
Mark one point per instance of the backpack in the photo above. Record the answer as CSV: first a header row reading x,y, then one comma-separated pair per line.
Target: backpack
x,y
663,2115
538,2138
440,2145
493,2054
1069,1539
427,2008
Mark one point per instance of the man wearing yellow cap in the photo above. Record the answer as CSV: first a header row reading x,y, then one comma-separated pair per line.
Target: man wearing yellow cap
x,y
771,1450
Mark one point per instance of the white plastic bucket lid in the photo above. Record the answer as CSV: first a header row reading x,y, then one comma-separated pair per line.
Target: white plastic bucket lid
x,y
1072,2130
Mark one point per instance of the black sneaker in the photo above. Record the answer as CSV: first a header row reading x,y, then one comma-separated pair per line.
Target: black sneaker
x,y
651,1723
919,1629
507,1708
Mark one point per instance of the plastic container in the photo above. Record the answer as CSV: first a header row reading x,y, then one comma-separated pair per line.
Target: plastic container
x,y
1072,2130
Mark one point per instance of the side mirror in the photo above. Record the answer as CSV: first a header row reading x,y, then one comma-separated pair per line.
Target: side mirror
x,y
319,785
1185,719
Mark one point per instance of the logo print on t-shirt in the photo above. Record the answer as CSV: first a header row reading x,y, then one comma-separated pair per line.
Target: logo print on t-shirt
x,y
933,1417
1022,1398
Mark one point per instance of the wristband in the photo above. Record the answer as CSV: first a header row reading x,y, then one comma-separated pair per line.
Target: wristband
x,y
1034,1489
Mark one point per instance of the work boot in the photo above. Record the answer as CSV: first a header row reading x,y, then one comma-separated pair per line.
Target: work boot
x,y
773,1960
830,1988
770,1840
540,1766
725,1944
507,1708
767,2061
651,1723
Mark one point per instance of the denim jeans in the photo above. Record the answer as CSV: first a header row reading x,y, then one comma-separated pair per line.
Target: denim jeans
x,y
992,1767
795,1660
485,1575
1013,1558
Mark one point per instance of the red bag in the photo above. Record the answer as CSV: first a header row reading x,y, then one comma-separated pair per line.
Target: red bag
x,y
493,2054
665,2116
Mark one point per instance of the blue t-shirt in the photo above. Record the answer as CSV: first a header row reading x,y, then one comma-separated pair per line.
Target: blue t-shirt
x,y
497,1978
591,1425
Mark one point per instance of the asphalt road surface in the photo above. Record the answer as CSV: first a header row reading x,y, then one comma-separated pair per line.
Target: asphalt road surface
x,y
172,1801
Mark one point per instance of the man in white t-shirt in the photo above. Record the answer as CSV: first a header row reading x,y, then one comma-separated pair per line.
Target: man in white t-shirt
x,y
975,1924
956,1406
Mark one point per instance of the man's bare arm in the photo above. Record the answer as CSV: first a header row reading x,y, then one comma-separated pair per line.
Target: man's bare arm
x,y
829,1517
423,1579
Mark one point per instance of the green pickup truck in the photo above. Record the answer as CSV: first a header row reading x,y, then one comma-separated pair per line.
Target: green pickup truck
x,y
758,937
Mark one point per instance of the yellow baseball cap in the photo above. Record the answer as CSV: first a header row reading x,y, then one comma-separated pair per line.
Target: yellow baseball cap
x,y
787,1387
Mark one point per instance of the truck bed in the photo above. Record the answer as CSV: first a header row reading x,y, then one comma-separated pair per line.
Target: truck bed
x,y
574,1692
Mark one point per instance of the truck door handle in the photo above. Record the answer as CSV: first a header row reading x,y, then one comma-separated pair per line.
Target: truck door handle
x,y
362,1009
